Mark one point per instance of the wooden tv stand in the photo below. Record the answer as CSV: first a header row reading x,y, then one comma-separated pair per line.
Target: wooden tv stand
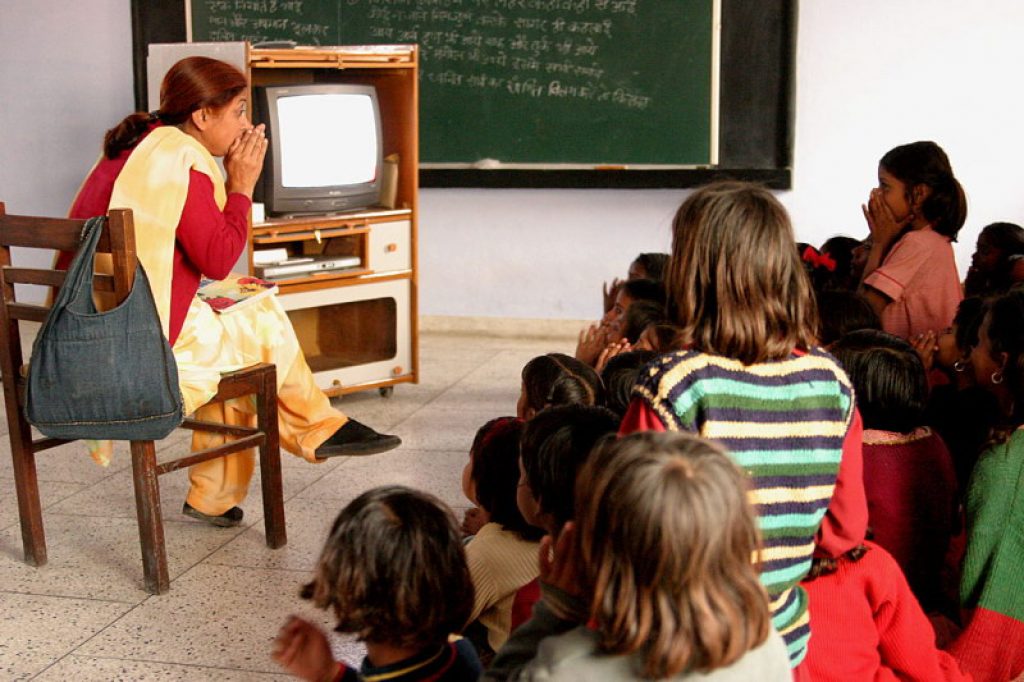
x,y
357,326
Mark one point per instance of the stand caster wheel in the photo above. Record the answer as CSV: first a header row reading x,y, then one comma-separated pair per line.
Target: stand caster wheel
x,y
386,391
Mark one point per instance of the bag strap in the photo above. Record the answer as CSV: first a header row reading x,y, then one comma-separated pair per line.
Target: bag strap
x,y
81,267
76,294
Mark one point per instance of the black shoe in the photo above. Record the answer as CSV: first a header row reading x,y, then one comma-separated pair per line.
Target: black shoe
x,y
356,439
232,517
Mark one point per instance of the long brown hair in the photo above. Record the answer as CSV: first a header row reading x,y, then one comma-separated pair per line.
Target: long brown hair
x,y
191,84
666,541
736,285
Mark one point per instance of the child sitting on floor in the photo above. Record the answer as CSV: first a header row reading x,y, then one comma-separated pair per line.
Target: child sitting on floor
x,y
554,446
868,625
502,555
557,379
653,579
909,477
394,573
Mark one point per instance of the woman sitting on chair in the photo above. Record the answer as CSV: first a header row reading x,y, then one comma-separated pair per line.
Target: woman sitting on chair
x,y
191,222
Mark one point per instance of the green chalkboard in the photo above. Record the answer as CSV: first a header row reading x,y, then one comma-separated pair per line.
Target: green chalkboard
x,y
530,83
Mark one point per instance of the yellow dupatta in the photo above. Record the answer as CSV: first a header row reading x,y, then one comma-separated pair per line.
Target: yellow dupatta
x,y
154,185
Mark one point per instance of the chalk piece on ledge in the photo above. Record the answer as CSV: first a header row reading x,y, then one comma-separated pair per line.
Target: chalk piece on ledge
x,y
610,167
276,45
487,164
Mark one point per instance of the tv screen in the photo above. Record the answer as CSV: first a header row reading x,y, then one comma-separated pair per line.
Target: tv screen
x,y
325,151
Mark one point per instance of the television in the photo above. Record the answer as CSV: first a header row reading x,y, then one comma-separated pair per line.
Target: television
x,y
325,151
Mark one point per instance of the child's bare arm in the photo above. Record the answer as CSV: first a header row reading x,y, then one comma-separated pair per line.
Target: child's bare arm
x,y
302,649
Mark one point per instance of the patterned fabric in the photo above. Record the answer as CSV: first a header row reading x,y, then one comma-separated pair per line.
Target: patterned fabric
x,y
784,422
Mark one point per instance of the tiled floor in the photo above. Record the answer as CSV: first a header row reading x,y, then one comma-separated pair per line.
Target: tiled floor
x,y
86,616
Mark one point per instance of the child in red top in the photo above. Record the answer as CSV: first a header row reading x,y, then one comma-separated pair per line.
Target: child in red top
x,y
909,478
868,625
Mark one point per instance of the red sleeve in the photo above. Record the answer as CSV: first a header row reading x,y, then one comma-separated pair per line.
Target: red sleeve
x,y
846,520
212,239
640,417
906,639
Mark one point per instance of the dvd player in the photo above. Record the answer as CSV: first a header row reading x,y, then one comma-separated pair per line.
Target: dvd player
x,y
302,266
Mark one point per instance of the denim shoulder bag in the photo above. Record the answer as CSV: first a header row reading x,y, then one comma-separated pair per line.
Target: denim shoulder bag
x,y
102,375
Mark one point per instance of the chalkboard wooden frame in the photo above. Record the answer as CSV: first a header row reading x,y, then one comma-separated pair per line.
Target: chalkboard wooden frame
x,y
756,105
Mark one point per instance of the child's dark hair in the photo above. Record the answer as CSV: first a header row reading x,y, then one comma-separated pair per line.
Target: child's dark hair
x,y
644,290
842,312
1006,335
667,544
191,84
393,569
495,473
553,447
1008,239
825,565
838,253
559,379
619,376
653,265
967,321
639,315
925,163
888,378
736,284
664,337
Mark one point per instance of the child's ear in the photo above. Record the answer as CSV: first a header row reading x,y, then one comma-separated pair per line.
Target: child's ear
x,y
920,192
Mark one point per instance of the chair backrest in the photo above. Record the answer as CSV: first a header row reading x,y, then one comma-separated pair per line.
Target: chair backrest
x,y
60,234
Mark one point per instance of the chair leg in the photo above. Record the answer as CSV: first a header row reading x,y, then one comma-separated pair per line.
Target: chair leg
x,y
151,525
30,513
270,461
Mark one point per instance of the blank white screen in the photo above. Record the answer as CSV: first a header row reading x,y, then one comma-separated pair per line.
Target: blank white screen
x,y
325,140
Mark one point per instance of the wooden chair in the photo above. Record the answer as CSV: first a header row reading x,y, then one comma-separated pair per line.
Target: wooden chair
x,y
118,239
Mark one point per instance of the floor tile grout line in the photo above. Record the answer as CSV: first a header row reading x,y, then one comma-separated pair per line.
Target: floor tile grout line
x,y
168,663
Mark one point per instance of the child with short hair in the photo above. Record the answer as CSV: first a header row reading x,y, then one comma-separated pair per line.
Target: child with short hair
x,y
394,573
557,379
842,312
653,579
619,375
909,478
752,378
502,554
554,446
917,210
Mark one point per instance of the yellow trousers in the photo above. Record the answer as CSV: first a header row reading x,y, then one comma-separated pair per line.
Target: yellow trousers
x,y
211,343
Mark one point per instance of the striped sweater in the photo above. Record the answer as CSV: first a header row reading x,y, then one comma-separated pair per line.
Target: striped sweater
x,y
784,422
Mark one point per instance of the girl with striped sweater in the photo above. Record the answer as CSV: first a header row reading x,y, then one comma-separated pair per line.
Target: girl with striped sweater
x,y
751,377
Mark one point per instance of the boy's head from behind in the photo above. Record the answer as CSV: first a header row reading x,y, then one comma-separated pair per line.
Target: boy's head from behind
x,y
553,447
393,570
493,472
842,312
888,377
619,376
665,537
557,379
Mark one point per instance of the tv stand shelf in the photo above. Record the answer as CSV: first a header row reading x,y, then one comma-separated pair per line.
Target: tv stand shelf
x,y
357,326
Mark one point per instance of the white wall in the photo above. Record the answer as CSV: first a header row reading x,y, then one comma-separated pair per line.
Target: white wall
x,y
65,78
870,75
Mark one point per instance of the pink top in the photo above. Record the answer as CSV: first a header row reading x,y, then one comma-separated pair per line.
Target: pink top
x,y
921,280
